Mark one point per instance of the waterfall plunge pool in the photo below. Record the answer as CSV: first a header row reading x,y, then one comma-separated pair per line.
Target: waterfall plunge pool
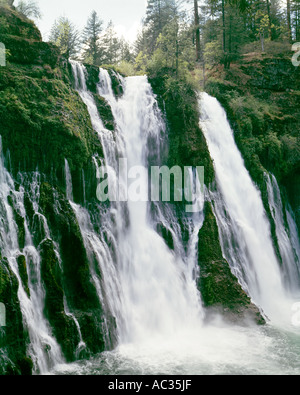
x,y
216,349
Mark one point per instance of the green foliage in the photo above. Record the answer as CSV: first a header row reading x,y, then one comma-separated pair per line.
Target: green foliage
x,y
187,145
174,50
90,37
159,14
271,47
109,49
141,63
213,53
126,68
4,25
14,23
251,112
65,36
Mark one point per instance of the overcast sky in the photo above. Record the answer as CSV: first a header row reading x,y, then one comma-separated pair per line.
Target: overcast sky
x,y
125,14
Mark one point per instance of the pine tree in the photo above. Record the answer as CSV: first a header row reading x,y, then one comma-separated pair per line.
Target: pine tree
x,y
125,51
110,46
64,35
289,22
295,18
91,35
158,15
197,31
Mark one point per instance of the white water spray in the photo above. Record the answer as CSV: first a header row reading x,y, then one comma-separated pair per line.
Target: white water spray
x,y
156,294
243,224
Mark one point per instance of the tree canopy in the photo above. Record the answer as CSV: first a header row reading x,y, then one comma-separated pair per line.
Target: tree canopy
x,y
178,34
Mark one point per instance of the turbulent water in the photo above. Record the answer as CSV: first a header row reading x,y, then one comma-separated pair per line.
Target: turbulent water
x,y
149,276
148,286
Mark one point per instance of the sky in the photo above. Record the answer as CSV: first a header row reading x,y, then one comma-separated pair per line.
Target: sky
x,y
125,14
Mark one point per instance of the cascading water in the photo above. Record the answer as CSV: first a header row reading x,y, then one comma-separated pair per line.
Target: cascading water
x,y
150,288
243,224
43,348
145,283
286,236
156,293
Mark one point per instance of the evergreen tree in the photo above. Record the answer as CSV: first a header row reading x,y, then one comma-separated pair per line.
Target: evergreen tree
x,y
110,46
295,19
126,54
175,50
64,35
158,15
91,35
289,22
197,31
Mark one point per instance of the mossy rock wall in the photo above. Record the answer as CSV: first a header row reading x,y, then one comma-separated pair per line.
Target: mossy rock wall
x,y
13,338
73,279
187,144
220,289
15,24
44,122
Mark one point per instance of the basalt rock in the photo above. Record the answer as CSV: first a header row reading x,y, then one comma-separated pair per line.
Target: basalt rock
x,y
220,289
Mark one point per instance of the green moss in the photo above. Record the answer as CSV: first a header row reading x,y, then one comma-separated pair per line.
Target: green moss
x,y
187,145
218,286
43,121
75,278
63,326
18,25
25,51
92,77
105,112
13,338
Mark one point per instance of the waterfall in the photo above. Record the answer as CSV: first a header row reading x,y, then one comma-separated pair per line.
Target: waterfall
x,y
243,224
150,290
69,185
43,347
142,255
285,232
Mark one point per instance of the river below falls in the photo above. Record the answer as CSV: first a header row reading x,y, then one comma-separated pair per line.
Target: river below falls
x,y
215,350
